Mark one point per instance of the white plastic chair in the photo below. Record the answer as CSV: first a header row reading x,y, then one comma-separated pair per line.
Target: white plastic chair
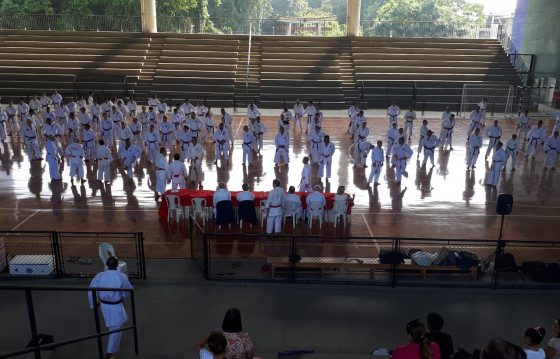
x,y
199,208
290,209
340,209
173,205
262,211
315,210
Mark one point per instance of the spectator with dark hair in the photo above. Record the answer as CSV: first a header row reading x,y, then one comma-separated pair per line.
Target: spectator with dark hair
x,y
216,346
420,346
553,347
239,344
502,349
443,340
532,340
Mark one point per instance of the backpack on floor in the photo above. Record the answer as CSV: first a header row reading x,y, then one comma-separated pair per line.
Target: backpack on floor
x,y
467,260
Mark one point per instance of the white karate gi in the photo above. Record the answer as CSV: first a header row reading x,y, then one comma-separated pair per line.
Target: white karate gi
x,y
298,114
3,125
274,204
494,134
551,149
161,173
310,111
107,131
124,134
392,134
130,156
195,125
248,139
523,125
535,135
153,102
360,135
228,121
152,143
362,153
115,313
393,112
475,143
282,143
511,148
117,117
498,161
305,182
209,125
446,134
401,154
483,107
187,108
85,119
53,129
195,154
52,159
23,109
325,154
221,137
423,134
104,158
73,126
162,108
132,106
429,144
31,142
260,129
287,118
166,131
315,139
89,144
409,118
475,117
144,119
201,110
137,140
76,153
177,173
253,113
377,159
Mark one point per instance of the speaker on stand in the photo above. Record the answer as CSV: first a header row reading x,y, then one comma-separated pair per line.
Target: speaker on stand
x,y
504,206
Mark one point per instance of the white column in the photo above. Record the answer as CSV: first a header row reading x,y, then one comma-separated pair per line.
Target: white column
x,y
148,10
353,17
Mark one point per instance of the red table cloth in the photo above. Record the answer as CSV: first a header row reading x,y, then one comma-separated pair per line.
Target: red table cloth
x,y
185,196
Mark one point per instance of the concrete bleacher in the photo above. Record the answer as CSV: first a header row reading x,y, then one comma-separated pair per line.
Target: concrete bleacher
x,y
213,68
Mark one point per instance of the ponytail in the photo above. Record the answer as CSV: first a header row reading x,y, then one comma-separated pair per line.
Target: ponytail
x,y
426,349
416,331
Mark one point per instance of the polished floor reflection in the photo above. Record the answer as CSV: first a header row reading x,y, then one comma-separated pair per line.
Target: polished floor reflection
x,y
444,201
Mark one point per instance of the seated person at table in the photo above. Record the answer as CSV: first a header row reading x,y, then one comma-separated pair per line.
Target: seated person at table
x,y
246,205
291,196
221,194
340,196
316,196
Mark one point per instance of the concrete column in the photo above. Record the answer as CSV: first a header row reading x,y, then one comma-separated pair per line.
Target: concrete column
x,y
353,17
148,11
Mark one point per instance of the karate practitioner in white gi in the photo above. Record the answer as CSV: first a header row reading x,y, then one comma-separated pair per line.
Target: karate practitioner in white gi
x,y
246,146
282,143
310,111
195,154
89,138
523,124
360,135
285,118
315,197
151,139
273,205
136,129
352,111
29,135
392,135
315,139
305,182
52,158
111,302
483,105
162,168
130,154
298,114
228,122
107,130
401,154
551,149
512,148
535,135
475,117
473,150
498,161
377,160
429,144
393,112
494,134
209,125
325,153
177,173
104,159
166,131
3,120
446,134
260,129
75,152
253,112
409,118
125,134
184,138
221,141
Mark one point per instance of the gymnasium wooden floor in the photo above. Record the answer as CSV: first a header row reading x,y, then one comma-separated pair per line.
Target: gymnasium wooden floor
x,y
442,202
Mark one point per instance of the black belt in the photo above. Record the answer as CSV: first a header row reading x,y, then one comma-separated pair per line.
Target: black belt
x,y
248,144
494,137
511,149
30,138
429,148
109,302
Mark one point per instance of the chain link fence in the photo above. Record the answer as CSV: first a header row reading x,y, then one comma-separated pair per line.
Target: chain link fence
x,y
68,254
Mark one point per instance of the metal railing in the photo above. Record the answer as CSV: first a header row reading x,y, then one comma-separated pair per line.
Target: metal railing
x,y
36,347
518,61
102,86
252,257
426,29
70,22
37,254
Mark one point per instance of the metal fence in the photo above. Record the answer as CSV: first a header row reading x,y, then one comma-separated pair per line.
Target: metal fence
x,y
102,86
33,254
427,29
357,260
71,22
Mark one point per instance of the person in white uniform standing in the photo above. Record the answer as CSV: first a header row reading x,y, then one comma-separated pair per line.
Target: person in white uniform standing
x,y
429,144
305,182
196,152
130,155
315,138
523,124
475,117
30,139
409,118
75,152
360,135
551,149
401,154
260,131
152,143
221,140
512,148
273,205
177,173
298,114
392,134
104,159
494,134
535,135
89,138
475,143
246,146
498,160
111,302
162,168
282,143
377,160
166,131
52,158
393,112
310,111
326,151
446,134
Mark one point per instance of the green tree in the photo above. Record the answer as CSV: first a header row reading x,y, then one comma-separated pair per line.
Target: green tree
x,y
428,18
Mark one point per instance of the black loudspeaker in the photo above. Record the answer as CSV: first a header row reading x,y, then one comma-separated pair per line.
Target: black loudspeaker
x,y
504,205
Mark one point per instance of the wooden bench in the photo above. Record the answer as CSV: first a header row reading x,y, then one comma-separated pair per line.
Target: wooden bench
x,y
372,264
